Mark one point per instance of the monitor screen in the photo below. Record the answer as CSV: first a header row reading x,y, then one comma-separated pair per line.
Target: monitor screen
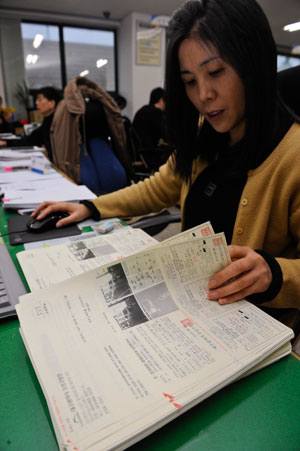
x,y
285,61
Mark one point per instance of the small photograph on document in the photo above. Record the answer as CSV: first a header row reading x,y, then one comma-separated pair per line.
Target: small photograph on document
x,y
156,301
113,284
127,313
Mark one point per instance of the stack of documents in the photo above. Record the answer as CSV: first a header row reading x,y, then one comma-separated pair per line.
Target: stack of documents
x,y
27,189
5,136
32,197
124,348
21,158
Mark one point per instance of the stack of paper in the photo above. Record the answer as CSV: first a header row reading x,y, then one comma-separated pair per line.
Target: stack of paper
x,y
124,348
19,158
32,197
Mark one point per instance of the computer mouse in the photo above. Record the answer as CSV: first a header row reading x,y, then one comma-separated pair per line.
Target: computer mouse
x,y
49,222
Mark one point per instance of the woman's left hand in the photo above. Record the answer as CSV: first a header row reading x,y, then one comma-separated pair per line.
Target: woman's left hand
x,y
248,273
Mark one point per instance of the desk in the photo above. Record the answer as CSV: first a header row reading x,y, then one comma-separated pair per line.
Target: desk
x,y
261,412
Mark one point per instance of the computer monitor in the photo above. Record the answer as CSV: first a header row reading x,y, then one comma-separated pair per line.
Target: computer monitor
x,y
287,60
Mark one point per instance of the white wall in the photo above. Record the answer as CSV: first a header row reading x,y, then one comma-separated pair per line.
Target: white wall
x,y
13,72
137,81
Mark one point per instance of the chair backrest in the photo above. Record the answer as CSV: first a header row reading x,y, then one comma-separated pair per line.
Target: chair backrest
x,y
101,170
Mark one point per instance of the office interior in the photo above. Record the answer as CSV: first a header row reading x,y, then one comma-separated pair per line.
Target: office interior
x,y
105,41
259,412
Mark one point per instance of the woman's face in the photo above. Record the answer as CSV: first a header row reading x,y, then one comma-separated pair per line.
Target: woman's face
x,y
213,87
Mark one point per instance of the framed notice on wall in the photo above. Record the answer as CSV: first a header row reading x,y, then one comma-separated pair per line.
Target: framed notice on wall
x,y
148,45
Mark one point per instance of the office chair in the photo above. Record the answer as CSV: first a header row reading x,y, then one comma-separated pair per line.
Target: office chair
x,y
155,223
86,112
154,157
100,169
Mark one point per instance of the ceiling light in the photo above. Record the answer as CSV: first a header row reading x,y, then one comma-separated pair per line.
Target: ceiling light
x,y
31,59
37,40
101,63
35,58
292,27
84,73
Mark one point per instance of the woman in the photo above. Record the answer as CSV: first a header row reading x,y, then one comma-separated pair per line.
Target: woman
x,y
237,152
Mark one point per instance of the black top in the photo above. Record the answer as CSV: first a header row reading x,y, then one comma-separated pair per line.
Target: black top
x,y
39,137
149,123
5,127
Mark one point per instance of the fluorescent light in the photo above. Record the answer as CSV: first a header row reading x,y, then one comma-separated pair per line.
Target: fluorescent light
x,y
31,59
292,27
34,58
101,63
84,73
37,40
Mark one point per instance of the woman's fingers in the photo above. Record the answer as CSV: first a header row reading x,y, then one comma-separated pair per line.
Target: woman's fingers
x,y
248,273
76,212
39,209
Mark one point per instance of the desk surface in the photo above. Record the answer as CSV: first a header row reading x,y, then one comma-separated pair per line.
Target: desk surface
x,y
261,412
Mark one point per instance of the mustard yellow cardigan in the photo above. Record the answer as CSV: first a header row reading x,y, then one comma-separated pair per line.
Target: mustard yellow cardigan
x,y
268,216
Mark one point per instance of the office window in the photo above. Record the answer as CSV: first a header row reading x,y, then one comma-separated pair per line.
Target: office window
x,y
287,61
55,54
41,55
91,53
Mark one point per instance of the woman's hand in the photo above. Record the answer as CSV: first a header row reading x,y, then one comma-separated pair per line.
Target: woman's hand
x,y
77,212
248,273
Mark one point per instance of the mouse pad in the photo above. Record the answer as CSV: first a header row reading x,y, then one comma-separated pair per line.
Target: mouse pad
x,y
19,235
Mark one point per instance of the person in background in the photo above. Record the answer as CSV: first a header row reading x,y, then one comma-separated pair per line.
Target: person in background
x,y
237,154
46,103
5,126
149,121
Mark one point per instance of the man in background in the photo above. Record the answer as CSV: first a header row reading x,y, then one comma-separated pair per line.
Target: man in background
x,y
46,103
149,121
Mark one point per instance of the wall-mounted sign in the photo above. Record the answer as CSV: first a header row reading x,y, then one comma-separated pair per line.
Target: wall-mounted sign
x,y
148,44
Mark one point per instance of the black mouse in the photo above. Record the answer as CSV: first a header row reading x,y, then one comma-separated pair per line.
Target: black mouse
x,y
45,224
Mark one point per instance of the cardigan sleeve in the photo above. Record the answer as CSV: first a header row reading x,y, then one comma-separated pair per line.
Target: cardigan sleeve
x,y
161,190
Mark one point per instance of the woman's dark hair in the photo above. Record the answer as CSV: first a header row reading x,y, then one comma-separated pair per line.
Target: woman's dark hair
x,y
240,32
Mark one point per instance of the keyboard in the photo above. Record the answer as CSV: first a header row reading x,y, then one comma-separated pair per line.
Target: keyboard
x,y
11,285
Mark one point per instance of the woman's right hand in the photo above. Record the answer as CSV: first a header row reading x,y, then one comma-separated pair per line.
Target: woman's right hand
x,y
77,212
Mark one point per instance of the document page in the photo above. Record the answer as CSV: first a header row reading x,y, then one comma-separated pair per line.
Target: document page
x,y
126,347
45,266
48,265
